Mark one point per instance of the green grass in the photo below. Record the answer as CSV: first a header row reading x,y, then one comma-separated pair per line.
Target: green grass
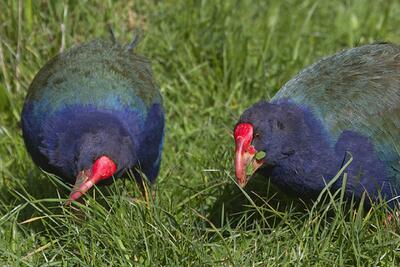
x,y
212,59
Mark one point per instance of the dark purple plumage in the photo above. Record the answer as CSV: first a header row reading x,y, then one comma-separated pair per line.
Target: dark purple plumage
x,y
97,99
346,105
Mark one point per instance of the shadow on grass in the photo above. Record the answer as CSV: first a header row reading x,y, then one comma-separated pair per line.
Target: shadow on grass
x,y
259,201
24,199
38,201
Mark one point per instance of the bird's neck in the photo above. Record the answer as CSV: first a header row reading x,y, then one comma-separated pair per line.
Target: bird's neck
x,y
313,162
306,173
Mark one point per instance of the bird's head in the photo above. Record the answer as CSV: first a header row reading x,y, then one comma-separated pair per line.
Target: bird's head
x,y
100,156
95,148
266,135
103,168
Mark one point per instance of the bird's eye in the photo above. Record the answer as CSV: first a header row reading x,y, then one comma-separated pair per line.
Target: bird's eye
x,y
280,125
257,135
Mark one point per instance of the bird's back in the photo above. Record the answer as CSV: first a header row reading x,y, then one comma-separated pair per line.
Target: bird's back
x,y
357,89
98,73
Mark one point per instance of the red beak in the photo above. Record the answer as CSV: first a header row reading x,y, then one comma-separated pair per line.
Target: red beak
x,y
102,168
245,164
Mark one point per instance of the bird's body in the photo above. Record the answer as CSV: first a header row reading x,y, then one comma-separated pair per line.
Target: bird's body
x,y
346,105
97,99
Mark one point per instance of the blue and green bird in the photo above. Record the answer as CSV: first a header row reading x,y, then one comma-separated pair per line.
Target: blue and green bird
x,y
344,106
93,113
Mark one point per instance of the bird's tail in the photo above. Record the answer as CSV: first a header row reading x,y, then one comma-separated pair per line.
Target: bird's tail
x,y
130,46
135,41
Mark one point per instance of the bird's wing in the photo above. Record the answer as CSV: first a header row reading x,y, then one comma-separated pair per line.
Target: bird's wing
x,y
356,89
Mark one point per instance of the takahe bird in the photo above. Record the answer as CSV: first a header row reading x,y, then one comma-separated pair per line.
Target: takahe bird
x,y
345,105
95,112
